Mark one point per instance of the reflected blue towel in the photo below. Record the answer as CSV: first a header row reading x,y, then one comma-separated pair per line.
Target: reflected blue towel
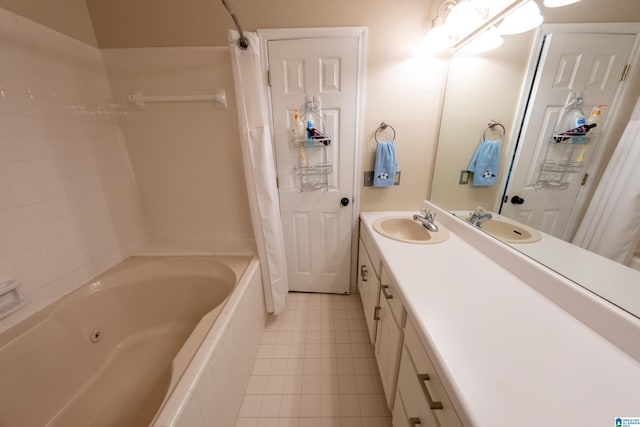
x,y
386,164
484,163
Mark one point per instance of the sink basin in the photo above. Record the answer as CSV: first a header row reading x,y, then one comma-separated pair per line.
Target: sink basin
x,y
407,230
510,232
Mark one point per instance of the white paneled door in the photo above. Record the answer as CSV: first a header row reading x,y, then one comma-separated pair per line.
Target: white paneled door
x,y
547,176
316,181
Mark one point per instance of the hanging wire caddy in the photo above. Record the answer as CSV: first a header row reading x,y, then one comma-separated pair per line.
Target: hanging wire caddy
x,y
313,176
563,155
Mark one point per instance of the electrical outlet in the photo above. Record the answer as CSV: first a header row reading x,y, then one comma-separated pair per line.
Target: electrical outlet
x,y
464,177
368,179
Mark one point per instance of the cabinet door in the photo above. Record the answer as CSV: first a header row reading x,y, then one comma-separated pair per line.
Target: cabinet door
x,y
423,382
387,350
414,405
368,285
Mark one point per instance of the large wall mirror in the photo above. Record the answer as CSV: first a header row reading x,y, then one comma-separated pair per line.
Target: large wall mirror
x,y
529,85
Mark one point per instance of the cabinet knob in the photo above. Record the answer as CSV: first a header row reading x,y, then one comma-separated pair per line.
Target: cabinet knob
x,y
423,378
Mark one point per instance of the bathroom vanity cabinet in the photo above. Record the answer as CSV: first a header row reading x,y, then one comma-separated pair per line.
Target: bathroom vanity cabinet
x,y
401,380
384,314
369,288
465,334
420,395
391,316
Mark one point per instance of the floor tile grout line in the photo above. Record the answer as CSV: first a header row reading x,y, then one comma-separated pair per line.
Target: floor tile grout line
x,y
347,333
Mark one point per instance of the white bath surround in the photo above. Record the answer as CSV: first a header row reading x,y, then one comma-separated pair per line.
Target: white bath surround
x,y
497,326
69,206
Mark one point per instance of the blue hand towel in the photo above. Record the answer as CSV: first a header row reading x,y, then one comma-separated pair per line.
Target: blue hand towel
x,y
386,165
484,163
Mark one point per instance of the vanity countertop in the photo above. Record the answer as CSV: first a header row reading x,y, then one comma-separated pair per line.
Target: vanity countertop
x,y
508,355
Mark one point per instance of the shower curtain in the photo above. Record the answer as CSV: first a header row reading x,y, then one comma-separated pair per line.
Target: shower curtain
x,y
611,225
259,168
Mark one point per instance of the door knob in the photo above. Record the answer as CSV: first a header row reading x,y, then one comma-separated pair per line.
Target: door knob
x,y
344,201
517,200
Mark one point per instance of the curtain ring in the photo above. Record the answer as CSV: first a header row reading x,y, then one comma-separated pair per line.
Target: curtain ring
x,y
383,126
490,126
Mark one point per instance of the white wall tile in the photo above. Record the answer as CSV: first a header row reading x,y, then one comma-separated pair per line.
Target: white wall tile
x,y
197,164
6,270
7,199
35,279
26,261
11,220
59,225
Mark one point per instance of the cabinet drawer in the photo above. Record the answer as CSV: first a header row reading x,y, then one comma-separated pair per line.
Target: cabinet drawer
x,y
376,263
411,403
389,291
430,385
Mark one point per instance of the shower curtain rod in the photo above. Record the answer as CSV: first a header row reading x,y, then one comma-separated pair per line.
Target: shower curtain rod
x,y
243,42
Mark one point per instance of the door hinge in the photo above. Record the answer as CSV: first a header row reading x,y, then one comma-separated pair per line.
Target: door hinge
x,y
268,77
625,72
277,183
584,179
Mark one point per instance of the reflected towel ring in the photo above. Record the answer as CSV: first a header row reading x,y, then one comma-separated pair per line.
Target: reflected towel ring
x,y
491,126
383,126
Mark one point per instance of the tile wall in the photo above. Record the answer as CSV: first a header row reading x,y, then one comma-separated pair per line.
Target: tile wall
x,y
69,206
211,392
186,155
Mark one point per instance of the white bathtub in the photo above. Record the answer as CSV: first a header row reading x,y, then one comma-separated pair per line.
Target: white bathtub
x,y
130,347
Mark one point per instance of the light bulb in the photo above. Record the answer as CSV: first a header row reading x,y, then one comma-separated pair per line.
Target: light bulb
x,y
462,19
436,40
524,18
485,42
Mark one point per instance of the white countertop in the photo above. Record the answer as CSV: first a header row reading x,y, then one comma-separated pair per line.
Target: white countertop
x,y
508,355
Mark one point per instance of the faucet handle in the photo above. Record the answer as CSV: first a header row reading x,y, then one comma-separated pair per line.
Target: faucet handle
x,y
428,214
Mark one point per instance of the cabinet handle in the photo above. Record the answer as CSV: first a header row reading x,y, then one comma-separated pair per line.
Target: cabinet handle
x,y
414,421
432,404
376,313
363,272
385,292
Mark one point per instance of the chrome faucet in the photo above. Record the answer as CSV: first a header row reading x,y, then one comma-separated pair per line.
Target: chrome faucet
x,y
427,220
478,217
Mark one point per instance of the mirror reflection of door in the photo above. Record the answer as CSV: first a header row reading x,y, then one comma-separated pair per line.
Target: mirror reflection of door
x,y
547,175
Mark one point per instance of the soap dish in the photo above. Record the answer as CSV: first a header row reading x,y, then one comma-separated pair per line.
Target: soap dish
x,y
11,298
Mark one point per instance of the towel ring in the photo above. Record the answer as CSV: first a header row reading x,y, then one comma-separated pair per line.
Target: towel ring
x,y
491,126
383,126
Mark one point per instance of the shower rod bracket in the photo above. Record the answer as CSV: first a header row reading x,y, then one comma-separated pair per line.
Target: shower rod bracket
x,y
243,41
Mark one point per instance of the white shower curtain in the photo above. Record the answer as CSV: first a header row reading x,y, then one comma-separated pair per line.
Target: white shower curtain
x,y
259,168
611,225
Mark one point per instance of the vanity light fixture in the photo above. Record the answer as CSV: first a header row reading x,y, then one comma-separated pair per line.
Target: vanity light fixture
x,y
456,20
462,19
524,18
559,3
437,39
488,40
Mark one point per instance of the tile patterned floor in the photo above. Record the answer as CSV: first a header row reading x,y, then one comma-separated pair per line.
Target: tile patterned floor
x,y
316,368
